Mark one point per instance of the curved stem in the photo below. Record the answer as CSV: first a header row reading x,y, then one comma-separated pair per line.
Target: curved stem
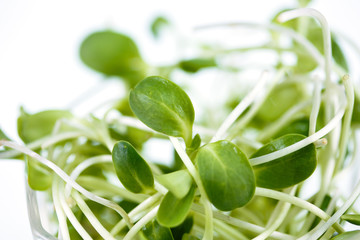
x,y
142,222
91,217
240,108
208,235
67,178
297,202
303,143
288,15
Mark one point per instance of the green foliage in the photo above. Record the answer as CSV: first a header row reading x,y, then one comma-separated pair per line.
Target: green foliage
x,y
157,25
164,107
281,99
177,182
184,228
288,170
350,235
39,176
113,54
351,218
196,64
299,126
31,127
173,211
154,231
132,170
226,174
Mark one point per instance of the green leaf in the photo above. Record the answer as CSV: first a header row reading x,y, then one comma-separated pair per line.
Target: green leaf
x,y
226,173
352,218
196,64
132,170
3,135
184,228
299,126
164,107
34,126
157,25
178,183
281,99
287,170
154,231
173,211
113,54
38,175
355,119
338,54
351,235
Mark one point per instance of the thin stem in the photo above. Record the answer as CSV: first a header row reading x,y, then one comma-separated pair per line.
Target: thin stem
x,y
63,229
91,217
84,165
142,222
335,217
134,214
346,127
208,235
315,107
240,108
256,106
297,202
241,224
289,15
72,218
67,178
285,118
283,208
303,143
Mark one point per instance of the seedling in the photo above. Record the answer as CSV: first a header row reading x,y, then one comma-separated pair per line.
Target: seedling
x,y
244,177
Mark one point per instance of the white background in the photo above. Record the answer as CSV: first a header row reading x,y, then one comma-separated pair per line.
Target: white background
x,y
40,68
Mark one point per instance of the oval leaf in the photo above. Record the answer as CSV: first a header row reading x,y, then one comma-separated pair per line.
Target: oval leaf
x,y
132,170
178,182
154,231
164,107
351,235
288,170
196,64
112,53
226,174
34,126
173,211
352,218
38,175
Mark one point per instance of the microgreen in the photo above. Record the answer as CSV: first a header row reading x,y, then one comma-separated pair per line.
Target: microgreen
x,y
236,171
132,170
288,170
225,172
164,107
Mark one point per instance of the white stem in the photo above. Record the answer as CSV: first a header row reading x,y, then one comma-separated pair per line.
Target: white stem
x,y
335,217
240,108
303,143
142,222
84,165
288,15
194,173
63,229
315,107
91,217
242,224
72,218
134,214
275,223
310,48
68,179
